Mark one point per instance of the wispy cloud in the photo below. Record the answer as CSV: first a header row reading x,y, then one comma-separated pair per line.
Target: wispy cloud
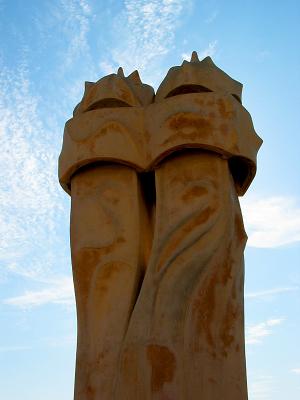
x,y
60,291
33,208
29,196
74,23
296,371
263,55
147,29
7,349
63,341
256,333
272,221
270,292
211,18
261,387
107,68
75,16
210,50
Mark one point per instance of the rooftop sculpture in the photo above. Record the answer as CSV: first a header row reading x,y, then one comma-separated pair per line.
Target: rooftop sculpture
x,y
157,236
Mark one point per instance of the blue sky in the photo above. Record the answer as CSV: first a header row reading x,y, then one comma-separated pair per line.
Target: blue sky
x,y
48,49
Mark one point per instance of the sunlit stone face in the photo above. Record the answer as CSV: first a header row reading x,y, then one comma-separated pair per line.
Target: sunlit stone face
x,y
157,236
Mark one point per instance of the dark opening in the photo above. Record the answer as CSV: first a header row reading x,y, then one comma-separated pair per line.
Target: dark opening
x,y
184,89
236,97
239,169
147,180
148,192
108,103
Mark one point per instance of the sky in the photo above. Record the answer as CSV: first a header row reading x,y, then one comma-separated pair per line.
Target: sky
x,y
48,49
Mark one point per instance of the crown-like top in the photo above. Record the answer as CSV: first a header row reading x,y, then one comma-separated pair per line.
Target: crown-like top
x,y
197,76
115,90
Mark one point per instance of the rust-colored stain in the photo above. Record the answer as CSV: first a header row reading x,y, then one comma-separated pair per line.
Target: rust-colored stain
x,y
223,109
85,262
201,102
228,325
189,175
90,391
109,127
224,353
163,365
102,355
184,120
109,270
226,267
111,195
197,126
212,380
196,191
91,252
204,308
125,95
182,233
87,183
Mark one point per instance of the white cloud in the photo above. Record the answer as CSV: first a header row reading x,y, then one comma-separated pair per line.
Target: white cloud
x,y
60,291
270,292
256,333
271,221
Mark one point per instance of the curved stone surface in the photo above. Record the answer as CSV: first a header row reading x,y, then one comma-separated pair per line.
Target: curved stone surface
x,y
198,76
157,236
131,136
186,334
208,121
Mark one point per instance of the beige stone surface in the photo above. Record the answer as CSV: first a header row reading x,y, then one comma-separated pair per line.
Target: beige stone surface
x,y
140,133
186,334
157,236
109,241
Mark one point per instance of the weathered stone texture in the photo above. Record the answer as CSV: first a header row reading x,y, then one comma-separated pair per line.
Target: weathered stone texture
x,y
157,236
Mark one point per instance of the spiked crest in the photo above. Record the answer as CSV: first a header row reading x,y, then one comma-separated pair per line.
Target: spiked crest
x,y
198,76
115,90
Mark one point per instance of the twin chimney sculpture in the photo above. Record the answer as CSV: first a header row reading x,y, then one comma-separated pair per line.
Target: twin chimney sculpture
x,y
157,236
